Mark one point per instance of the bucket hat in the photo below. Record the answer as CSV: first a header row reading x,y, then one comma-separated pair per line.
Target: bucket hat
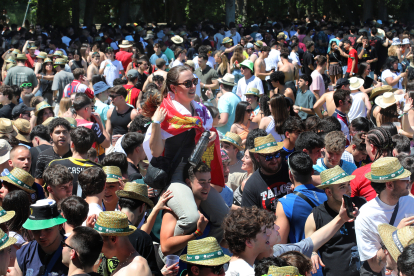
x,y
334,176
6,127
266,144
387,99
259,37
5,216
23,129
177,39
43,214
253,91
396,41
113,173
20,178
206,252
226,40
228,79
100,87
405,41
387,169
247,63
355,83
41,106
125,44
234,139
136,191
5,240
283,271
5,149
113,223
381,90
396,239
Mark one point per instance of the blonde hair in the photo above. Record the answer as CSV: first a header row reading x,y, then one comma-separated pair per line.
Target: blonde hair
x,y
65,104
238,54
392,51
224,63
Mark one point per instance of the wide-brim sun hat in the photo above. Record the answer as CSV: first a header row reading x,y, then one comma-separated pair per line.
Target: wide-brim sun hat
x,y
21,179
334,176
5,149
387,169
234,139
5,216
355,83
125,44
283,271
381,90
266,144
177,39
394,239
7,127
206,252
5,240
43,214
228,79
113,223
41,106
113,173
249,64
136,191
387,99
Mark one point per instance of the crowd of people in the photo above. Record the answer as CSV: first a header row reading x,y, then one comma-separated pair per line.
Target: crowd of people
x,y
280,148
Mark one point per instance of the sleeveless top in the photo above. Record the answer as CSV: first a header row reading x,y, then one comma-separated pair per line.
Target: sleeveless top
x,y
271,129
120,122
333,57
76,64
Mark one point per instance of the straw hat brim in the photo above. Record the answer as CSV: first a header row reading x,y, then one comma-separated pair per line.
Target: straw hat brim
x,y
177,40
121,234
8,216
339,181
11,241
212,262
380,92
358,86
385,232
133,195
124,46
23,138
269,149
228,141
43,224
37,112
405,174
8,180
247,93
112,180
380,101
226,82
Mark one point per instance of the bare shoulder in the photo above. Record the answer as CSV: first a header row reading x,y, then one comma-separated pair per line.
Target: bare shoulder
x,y
139,265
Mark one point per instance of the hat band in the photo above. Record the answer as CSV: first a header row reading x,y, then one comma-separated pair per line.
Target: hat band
x,y
104,229
3,213
335,178
110,175
250,92
18,181
4,239
207,256
388,176
397,241
230,140
267,145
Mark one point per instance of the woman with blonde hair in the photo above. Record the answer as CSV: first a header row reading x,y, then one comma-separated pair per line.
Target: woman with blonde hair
x,y
223,66
235,61
279,113
64,107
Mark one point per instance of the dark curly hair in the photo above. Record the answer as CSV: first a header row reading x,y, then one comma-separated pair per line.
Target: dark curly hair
x,y
244,224
297,259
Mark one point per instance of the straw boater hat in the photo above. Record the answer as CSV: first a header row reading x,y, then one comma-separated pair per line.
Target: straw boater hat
x,y
113,173
6,127
125,44
16,51
32,46
282,271
5,216
58,53
136,191
334,176
355,83
387,169
234,139
228,79
43,214
253,91
113,223
395,240
177,39
47,60
5,240
206,252
41,106
226,40
59,61
21,57
10,65
42,55
259,44
381,90
65,58
20,178
266,144
387,99
23,129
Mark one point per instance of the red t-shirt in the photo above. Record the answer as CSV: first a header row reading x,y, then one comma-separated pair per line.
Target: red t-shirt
x,y
353,54
125,58
133,94
29,62
360,185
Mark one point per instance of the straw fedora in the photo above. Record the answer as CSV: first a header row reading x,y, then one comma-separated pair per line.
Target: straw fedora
x,y
41,106
10,59
6,127
113,173
355,83
23,129
228,79
395,240
59,61
387,99
226,40
387,169
43,214
16,51
381,90
5,240
136,191
73,123
334,176
21,57
125,44
20,178
283,271
177,39
58,53
42,55
5,215
266,144
47,60
253,91
32,46
282,33
48,120
234,139
113,223
10,65
205,252
259,44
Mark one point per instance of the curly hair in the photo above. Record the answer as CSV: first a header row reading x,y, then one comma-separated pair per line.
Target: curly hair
x,y
297,259
335,141
244,224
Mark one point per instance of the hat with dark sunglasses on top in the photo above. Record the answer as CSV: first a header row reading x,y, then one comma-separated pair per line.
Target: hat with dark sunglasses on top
x,y
266,144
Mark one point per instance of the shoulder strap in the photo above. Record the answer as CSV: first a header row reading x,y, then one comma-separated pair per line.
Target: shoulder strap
x,y
38,150
52,262
305,198
394,214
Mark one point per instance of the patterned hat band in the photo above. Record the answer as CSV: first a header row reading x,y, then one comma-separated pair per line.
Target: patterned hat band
x,y
388,176
4,239
230,140
206,256
18,181
110,175
397,241
111,230
335,178
265,146
3,213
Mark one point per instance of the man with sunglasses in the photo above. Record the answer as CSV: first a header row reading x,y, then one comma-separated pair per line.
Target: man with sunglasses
x,y
22,111
343,103
271,181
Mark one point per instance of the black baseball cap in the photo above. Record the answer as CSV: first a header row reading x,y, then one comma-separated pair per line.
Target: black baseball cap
x,y
19,109
341,82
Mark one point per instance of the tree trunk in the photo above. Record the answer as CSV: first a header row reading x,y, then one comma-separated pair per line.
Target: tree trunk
x,y
75,13
89,12
231,11
124,12
382,10
368,10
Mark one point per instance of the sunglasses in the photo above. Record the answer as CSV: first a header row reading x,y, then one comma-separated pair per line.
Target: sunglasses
x,y
188,83
217,269
113,96
269,157
63,244
349,101
249,110
26,85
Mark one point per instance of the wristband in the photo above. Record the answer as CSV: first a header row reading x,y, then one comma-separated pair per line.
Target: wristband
x,y
300,109
156,122
400,130
195,235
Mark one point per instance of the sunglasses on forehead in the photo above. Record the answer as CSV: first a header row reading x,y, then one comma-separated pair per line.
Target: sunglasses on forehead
x,y
189,83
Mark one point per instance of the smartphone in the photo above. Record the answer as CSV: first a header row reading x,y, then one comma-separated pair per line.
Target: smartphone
x,y
349,206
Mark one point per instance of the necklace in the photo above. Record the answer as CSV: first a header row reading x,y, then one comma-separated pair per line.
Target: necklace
x,y
121,264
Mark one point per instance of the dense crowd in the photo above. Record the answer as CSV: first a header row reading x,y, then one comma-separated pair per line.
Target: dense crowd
x,y
280,148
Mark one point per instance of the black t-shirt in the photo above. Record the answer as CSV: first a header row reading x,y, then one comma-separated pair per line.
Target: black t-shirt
x,y
6,111
141,80
353,38
88,274
307,60
264,191
75,166
133,172
340,253
35,151
45,157
369,53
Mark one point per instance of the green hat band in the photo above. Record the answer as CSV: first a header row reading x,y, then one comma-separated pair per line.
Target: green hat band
x,y
207,256
265,146
388,176
139,181
110,175
3,213
4,240
18,182
335,178
44,106
110,230
230,140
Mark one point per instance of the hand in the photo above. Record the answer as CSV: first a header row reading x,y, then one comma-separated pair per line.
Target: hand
x,y
379,84
316,261
202,222
121,183
408,105
90,221
213,136
406,222
209,94
171,270
161,204
343,214
96,117
159,114
404,75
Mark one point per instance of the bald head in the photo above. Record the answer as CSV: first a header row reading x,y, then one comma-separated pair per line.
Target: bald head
x,y
21,158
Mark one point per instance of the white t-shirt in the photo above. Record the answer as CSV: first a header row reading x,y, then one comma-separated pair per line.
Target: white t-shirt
x,y
372,214
240,268
358,108
218,38
272,60
387,73
111,71
94,209
176,63
243,85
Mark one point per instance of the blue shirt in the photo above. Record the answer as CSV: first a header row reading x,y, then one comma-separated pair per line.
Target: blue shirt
x,y
297,209
348,167
102,108
227,104
227,195
154,57
306,100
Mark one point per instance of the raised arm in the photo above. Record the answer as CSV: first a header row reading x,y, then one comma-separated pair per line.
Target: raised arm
x,y
157,144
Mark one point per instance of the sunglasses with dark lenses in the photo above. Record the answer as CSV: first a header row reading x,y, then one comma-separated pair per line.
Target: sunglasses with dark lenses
x,y
270,157
249,110
188,83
